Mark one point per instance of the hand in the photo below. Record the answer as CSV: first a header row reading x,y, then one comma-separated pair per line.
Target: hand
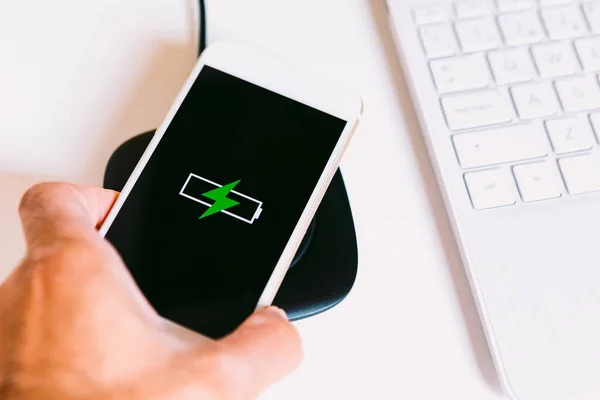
x,y
73,324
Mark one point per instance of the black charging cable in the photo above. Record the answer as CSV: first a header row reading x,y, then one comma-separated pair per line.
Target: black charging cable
x,y
202,29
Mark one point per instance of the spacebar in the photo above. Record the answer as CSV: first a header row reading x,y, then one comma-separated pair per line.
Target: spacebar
x,y
500,145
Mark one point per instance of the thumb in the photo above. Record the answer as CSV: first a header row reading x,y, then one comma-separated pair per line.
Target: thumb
x,y
264,349
53,211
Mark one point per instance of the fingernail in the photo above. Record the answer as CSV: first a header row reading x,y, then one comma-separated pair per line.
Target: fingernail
x,y
278,311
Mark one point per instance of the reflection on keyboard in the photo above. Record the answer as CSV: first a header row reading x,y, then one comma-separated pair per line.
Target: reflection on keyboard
x,y
517,78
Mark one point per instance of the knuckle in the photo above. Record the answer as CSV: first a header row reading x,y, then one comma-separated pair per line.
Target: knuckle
x,y
41,193
287,333
278,327
279,333
225,367
217,365
287,338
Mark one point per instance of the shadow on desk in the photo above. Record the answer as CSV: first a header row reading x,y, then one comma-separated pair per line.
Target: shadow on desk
x,y
459,278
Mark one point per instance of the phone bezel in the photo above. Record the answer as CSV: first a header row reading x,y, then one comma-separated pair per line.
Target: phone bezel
x,y
272,74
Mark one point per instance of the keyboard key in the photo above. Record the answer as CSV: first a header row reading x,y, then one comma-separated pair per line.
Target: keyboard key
x,y
555,59
578,94
491,189
500,145
473,8
438,40
564,22
537,181
535,100
589,53
476,109
592,15
478,34
521,28
431,13
515,5
459,74
511,66
569,135
581,173
595,120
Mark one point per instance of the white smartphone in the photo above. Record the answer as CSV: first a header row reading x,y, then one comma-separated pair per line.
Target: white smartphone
x,y
213,214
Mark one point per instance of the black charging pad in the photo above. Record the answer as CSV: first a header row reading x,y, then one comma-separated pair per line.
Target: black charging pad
x,y
325,266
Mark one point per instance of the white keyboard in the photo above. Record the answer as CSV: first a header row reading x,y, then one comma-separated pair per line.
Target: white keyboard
x,y
518,85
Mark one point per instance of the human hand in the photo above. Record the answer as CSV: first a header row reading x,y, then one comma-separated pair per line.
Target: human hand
x,y
73,324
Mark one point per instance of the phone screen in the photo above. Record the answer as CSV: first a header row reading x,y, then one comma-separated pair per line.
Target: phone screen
x,y
210,215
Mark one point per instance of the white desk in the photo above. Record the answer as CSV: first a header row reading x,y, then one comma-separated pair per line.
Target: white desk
x,y
77,78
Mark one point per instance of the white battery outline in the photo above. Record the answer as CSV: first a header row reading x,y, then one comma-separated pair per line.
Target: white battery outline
x,y
256,215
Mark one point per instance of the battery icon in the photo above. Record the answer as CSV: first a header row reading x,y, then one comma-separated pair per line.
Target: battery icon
x,y
248,209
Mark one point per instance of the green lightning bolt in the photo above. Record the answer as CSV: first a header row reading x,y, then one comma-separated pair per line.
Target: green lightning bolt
x,y
219,195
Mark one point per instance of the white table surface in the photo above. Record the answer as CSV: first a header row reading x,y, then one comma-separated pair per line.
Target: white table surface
x,y
77,78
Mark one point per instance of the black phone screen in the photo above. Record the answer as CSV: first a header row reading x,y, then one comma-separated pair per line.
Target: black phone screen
x,y
210,215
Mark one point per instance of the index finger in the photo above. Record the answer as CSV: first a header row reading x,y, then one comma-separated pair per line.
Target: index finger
x,y
55,211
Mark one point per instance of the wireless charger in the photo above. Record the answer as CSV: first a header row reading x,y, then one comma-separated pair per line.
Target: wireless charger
x,y
325,266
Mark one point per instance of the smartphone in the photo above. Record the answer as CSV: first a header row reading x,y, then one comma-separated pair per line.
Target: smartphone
x,y
215,210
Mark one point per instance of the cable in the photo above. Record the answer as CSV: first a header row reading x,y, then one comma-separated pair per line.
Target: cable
x,y
202,28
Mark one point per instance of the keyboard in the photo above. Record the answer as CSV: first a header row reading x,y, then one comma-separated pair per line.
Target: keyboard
x,y
507,96
518,85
